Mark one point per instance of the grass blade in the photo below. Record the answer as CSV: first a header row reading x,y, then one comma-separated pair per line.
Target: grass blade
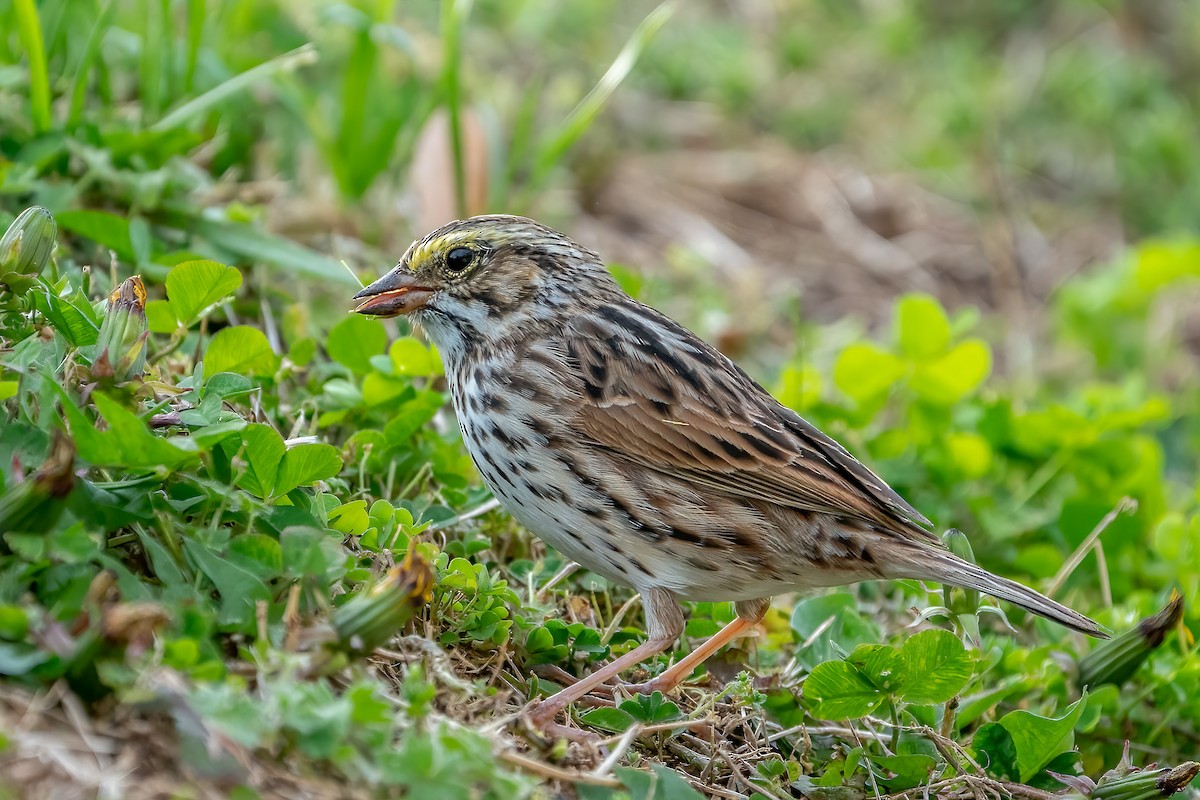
x,y
520,145
197,12
150,78
589,108
454,14
354,106
90,50
253,244
305,54
29,29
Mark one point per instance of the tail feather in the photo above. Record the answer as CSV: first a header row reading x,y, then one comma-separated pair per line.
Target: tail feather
x,y
948,568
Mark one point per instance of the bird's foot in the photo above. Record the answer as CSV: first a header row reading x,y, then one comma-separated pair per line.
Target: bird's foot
x,y
648,687
542,719
564,678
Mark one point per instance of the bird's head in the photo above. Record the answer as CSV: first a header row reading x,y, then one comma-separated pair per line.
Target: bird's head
x,y
481,279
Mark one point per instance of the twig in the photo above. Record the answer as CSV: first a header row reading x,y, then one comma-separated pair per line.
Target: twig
x,y
606,766
1123,506
826,730
556,773
870,772
291,619
611,628
1102,568
950,750
477,511
567,570
895,737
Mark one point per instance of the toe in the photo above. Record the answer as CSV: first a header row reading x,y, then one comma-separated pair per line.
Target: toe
x,y
541,719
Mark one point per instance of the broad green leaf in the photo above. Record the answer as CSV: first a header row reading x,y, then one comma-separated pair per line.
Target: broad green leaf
x,y
410,357
996,752
971,453
937,667
411,416
312,553
193,286
163,563
378,388
302,351
73,324
207,436
1066,763
18,658
973,706
14,622
864,372
354,340
264,452
663,783
232,711
240,589
140,241
240,349
306,463
953,376
539,639
904,771
609,719
922,329
126,442
226,384
882,665
258,554
350,518
651,709
160,317
1161,263
829,620
799,387
838,690
107,229
1039,739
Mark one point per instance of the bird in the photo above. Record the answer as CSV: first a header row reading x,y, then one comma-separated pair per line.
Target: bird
x,y
638,450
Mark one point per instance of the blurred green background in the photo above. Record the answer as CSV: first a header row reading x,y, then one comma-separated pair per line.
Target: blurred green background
x,y
962,238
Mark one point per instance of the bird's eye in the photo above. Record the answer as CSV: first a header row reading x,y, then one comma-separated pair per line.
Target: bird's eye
x,y
459,259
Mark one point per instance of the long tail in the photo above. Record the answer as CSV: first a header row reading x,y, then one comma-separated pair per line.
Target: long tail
x,y
948,568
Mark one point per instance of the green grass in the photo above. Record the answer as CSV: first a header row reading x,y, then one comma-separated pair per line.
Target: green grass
x,y
243,520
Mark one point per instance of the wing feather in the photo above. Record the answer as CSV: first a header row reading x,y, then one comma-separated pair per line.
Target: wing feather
x,y
656,395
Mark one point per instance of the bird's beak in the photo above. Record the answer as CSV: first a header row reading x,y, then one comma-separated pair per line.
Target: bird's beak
x,y
396,293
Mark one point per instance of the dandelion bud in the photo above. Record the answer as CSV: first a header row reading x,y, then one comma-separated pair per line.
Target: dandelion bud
x,y
1145,784
374,615
36,503
122,341
25,250
1116,660
959,601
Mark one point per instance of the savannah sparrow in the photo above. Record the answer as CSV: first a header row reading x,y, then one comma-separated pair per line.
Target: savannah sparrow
x,y
640,451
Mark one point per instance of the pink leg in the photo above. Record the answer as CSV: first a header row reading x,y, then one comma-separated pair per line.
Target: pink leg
x,y
664,621
749,614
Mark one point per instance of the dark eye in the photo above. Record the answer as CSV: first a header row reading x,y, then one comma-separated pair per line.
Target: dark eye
x,y
459,259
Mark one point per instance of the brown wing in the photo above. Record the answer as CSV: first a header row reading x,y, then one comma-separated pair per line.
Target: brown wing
x,y
655,394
